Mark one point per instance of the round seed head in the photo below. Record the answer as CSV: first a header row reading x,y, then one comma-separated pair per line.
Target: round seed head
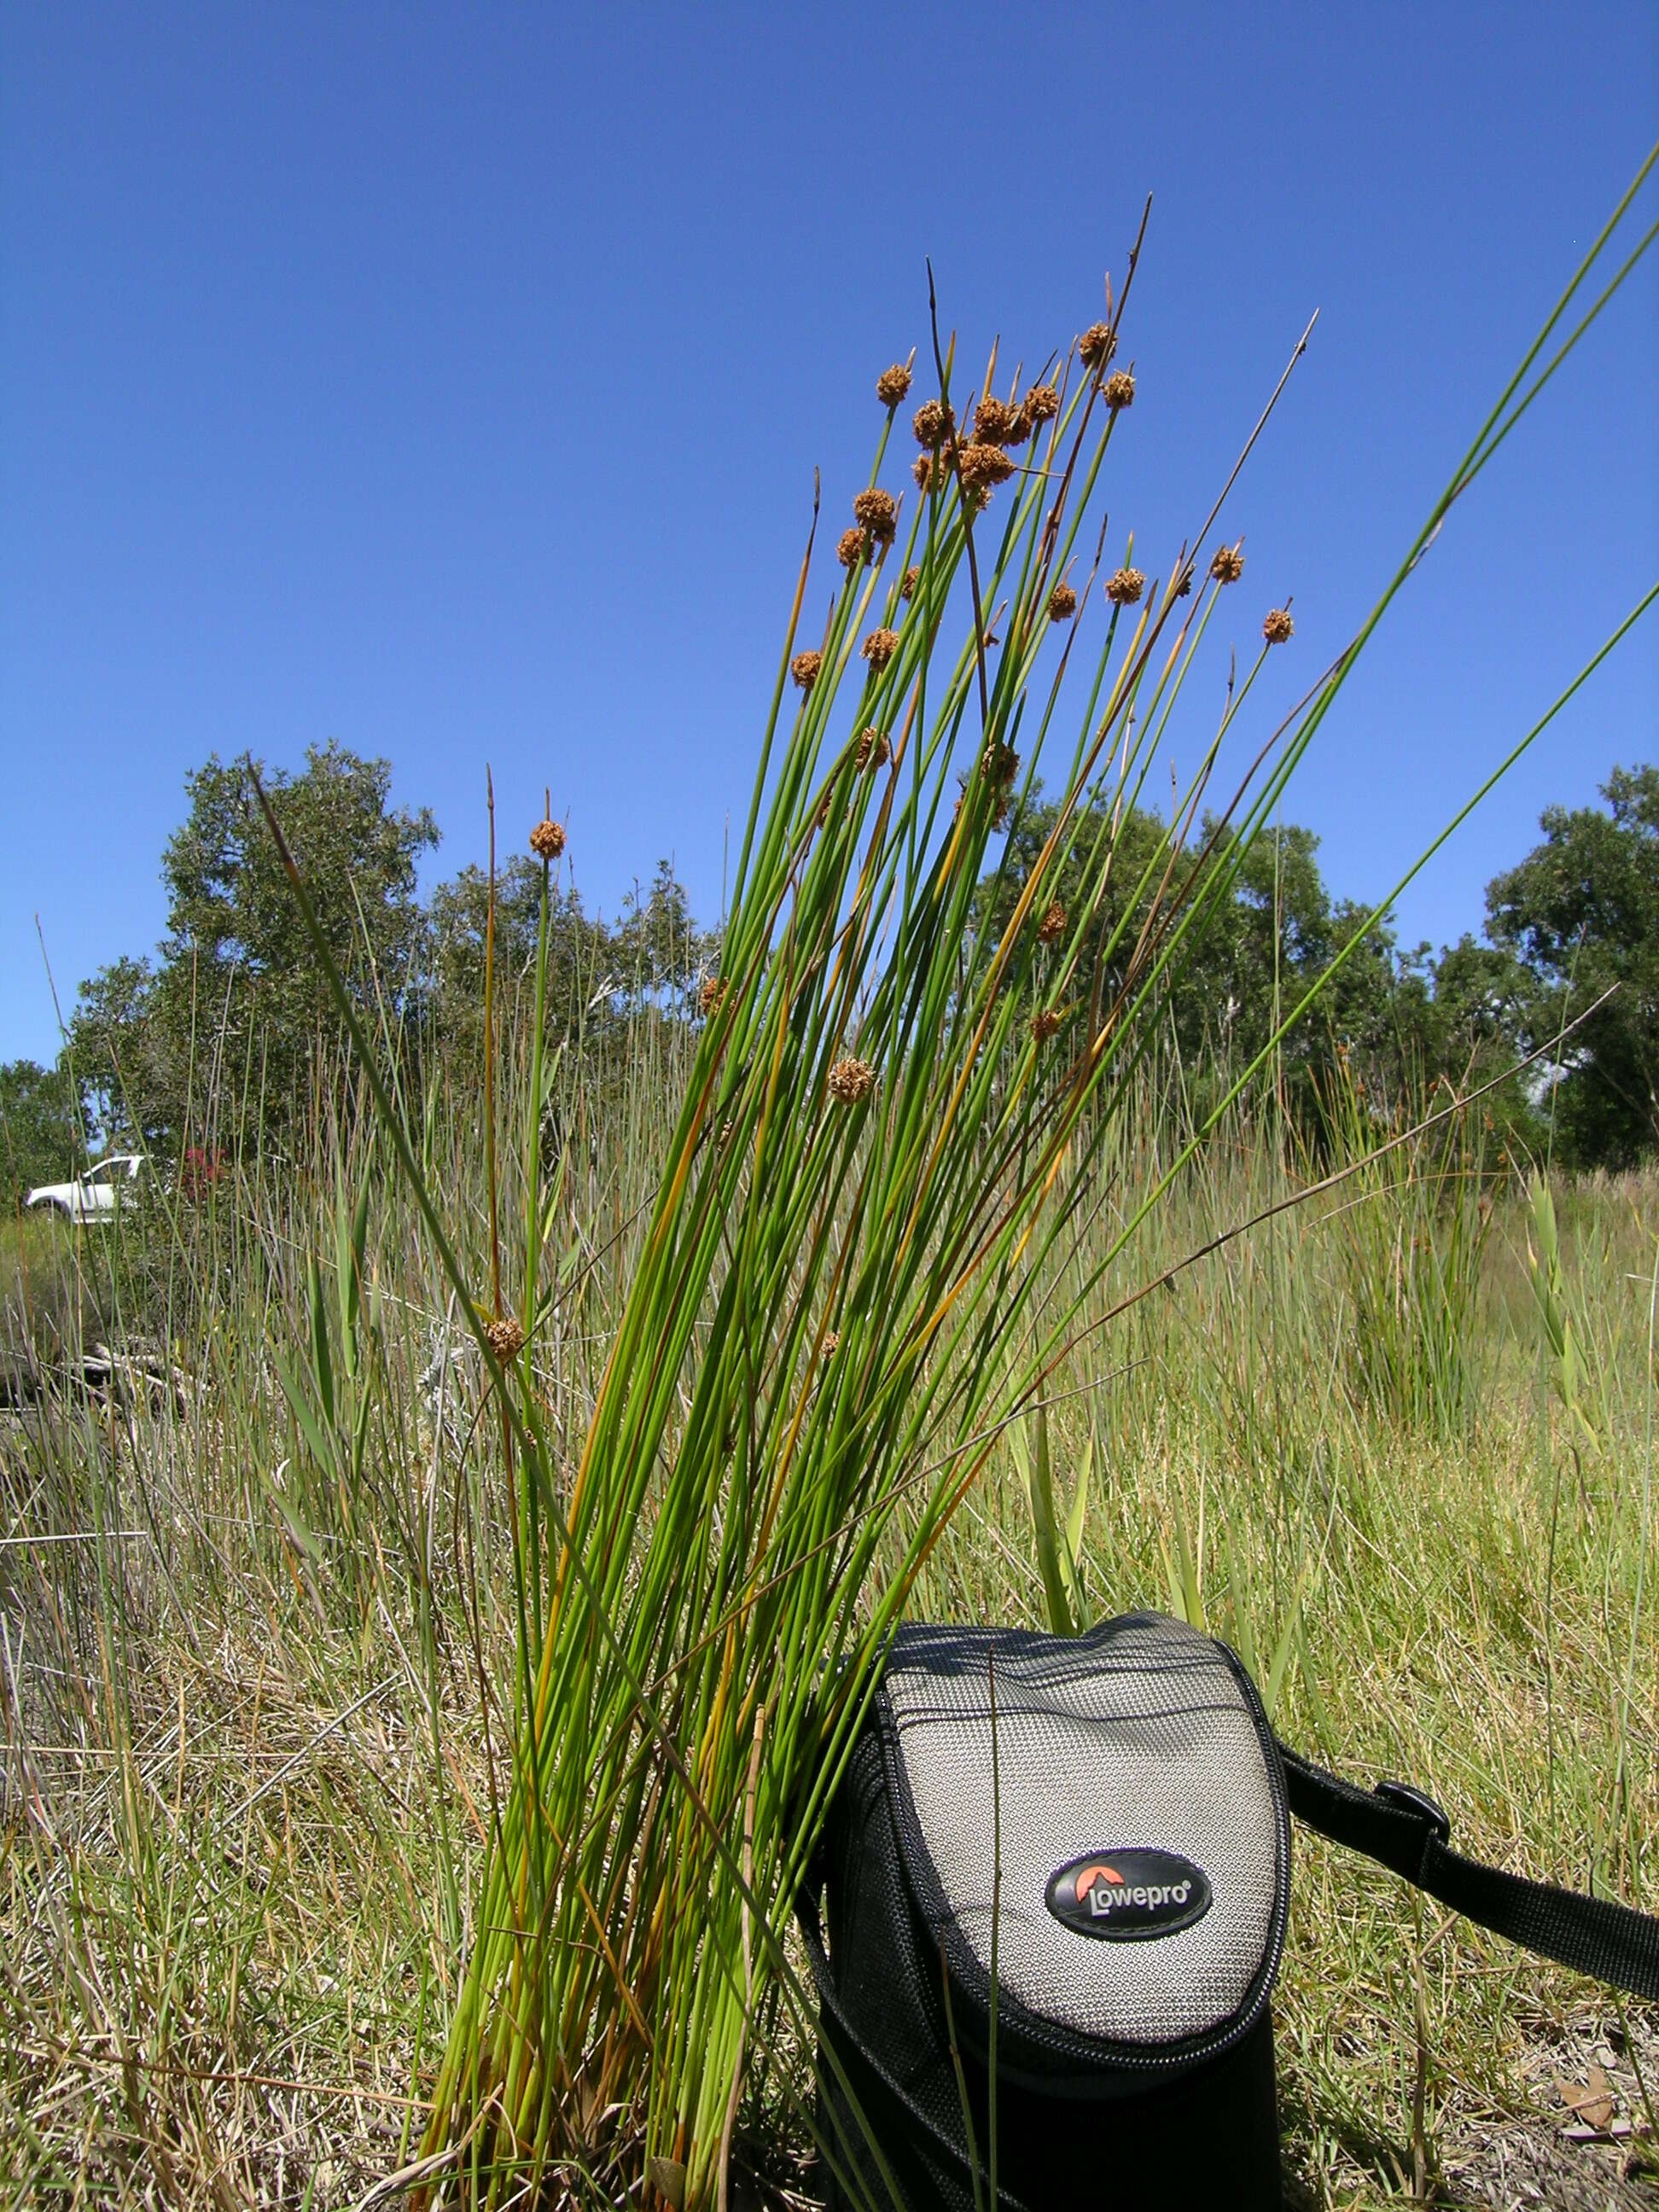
x,y
877,513
1044,1022
892,384
933,422
1052,927
994,421
1041,403
1098,345
930,471
831,1343
848,547
710,993
1277,627
1062,603
850,1081
1228,565
879,647
907,583
504,1338
1124,588
1119,390
547,840
1000,763
982,465
804,669
873,750
1184,582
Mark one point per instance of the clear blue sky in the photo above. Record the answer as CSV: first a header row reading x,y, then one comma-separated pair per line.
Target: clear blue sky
x,y
449,382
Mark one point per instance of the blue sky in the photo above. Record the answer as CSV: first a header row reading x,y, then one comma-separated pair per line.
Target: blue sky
x,y
449,382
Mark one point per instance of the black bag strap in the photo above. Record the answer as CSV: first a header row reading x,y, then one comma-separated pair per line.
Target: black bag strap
x,y
1404,1829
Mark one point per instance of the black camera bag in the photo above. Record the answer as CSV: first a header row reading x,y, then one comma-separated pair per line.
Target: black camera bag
x,y
1117,1807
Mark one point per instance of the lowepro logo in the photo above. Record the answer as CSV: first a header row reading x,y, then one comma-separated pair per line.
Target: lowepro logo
x,y
1128,1895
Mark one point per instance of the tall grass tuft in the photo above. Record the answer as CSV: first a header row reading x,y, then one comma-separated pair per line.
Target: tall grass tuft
x,y
1415,1211
890,1124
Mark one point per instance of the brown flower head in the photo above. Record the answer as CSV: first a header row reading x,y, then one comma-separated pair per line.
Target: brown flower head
x,y
504,1338
879,647
848,547
850,1081
1052,927
994,421
930,471
1119,390
892,384
1277,627
1098,345
907,583
709,995
1041,403
804,669
1062,603
1125,588
1000,763
933,422
831,1343
877,512
1044,1022
873,750
980,466
1228,565
547,840
1184,582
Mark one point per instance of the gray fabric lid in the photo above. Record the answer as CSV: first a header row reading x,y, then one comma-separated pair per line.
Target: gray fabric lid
x,y
1137,1739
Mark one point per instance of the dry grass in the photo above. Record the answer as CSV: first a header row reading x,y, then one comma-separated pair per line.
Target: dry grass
x,y
247,1780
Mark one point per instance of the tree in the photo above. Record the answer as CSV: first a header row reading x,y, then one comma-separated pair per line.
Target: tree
x,y
1580,916
40,1129
227,1029
128,1077
1260,928
577,953
656,952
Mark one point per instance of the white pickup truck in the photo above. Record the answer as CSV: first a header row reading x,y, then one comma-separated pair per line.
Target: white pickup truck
x,y
95,1196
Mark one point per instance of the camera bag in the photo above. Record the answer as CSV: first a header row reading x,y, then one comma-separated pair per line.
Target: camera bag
x,y
1061,1865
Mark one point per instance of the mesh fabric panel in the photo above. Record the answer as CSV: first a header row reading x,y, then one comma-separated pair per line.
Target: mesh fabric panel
x,y
1137,1735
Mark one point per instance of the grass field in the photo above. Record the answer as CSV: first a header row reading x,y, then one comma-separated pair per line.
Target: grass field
x,y
257,1633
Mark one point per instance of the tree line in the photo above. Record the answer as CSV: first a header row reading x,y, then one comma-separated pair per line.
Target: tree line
x,y
224,1035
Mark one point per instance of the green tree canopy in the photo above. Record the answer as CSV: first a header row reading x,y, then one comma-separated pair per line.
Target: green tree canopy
x,y
577,953
1580,916
40,1136
1263,929
226,1027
